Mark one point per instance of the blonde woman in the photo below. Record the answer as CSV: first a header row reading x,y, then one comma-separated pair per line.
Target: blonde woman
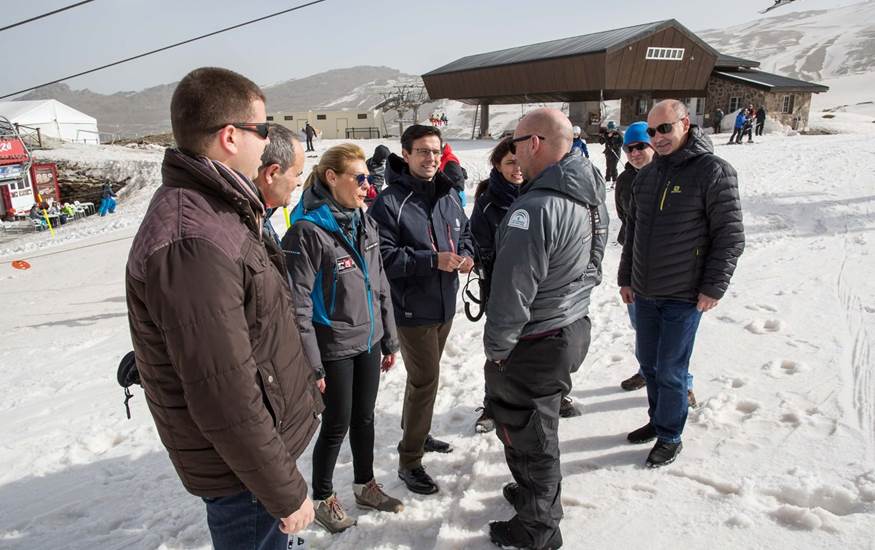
x,y
344,310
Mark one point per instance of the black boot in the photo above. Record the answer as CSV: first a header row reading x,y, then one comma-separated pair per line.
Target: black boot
x,y
634,382
663,453
567,408
510,534
433,445
644,434
418,481
510,492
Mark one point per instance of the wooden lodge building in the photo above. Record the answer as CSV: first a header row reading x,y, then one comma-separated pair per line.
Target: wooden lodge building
x,y
637,65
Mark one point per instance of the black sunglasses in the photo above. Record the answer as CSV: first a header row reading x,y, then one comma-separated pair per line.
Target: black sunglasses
x,y
636,147
663,128
260,128
362,178
514,141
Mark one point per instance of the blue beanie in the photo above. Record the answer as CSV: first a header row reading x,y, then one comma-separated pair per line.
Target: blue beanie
x,y
636,133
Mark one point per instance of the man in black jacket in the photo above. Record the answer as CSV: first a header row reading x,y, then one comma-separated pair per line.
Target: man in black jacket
x,y
761,120
425,243
684,234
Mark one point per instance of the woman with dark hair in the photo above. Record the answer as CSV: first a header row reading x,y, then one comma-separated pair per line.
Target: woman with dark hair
x,y
492,198
344,312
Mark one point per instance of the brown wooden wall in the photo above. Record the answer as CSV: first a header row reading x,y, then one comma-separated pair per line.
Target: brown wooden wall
x,y
567,77
627,68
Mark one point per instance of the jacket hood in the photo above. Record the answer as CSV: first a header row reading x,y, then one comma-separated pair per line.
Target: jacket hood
x,y
316,206
398,173
381,153
573,176
697,144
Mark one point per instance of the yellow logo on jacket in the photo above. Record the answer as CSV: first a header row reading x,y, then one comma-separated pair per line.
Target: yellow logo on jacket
x,y
676,189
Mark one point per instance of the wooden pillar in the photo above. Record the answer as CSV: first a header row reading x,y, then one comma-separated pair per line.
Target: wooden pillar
x,y
484,120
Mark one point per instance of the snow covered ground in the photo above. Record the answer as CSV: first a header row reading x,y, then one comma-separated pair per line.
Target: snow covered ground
x,y
780,454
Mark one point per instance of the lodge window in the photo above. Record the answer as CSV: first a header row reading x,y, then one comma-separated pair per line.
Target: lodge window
x,y
734,104
788,104
288,117
320,117
642,106
362,116
700,106
269,118
665,54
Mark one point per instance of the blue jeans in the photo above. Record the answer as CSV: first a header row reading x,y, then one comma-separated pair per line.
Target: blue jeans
x,y
631,309
241,522
665,334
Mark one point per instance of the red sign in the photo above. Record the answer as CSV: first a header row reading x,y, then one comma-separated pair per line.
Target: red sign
x,y
44,177
12,151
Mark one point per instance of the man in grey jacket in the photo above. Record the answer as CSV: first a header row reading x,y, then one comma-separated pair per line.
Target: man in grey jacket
x,y
549,250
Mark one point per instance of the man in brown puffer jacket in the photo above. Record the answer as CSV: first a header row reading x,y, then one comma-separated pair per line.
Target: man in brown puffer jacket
x,y
219,354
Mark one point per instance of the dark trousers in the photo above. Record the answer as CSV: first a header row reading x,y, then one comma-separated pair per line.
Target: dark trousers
x,y
665,333
421,348
759,128
310,143
611,160
523,396
350,394
240,522
736,133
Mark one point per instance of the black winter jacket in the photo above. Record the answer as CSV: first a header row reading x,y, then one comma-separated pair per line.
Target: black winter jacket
x,y
417,219
684,231
622,197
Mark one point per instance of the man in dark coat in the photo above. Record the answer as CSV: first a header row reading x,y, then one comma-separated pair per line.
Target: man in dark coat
x,y
425,243
613,142
310,132
212,322
761,120
684,235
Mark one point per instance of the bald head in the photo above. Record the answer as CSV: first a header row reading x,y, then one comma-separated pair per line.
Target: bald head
x,y
553,137
672,116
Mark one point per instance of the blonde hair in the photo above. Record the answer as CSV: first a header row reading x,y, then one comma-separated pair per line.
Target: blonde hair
x,y
336,158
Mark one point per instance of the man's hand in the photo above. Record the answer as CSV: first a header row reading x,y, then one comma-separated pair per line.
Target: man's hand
x,y
299,519
467,264
447,261
387,363
706,303
627,294
321,385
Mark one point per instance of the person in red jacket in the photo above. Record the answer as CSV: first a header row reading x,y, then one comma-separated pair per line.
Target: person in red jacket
x,y
452,168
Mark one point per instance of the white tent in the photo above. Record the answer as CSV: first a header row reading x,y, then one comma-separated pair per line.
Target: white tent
x,y
53,118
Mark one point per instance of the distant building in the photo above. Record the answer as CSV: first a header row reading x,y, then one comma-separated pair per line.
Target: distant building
x,y
53,119
637,65
345,124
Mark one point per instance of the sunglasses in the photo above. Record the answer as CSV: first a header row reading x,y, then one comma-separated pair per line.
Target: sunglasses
x,y
260,128
514,141
361,179
635,147
663,128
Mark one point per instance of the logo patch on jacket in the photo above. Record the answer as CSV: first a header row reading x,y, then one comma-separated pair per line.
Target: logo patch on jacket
x,y
676,189
345,264
519,219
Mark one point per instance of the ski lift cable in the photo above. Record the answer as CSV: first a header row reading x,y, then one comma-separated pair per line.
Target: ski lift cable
x,y
165,48
59,10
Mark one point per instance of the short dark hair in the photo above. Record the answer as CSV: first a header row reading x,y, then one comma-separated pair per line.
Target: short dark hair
x,y
281,149
501,150
207,98
412,133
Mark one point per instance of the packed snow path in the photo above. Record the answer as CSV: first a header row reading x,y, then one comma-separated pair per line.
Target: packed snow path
x,y
780,453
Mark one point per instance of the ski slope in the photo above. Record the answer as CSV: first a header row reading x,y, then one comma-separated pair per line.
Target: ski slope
x,y
780,453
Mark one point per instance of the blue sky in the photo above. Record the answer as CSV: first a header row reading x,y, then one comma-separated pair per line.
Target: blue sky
x,y
414,37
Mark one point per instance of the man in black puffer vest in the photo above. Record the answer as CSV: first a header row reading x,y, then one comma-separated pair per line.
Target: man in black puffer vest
x,y
684,234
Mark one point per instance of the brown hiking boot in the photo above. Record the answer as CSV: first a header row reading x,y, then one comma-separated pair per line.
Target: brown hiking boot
x,y
371,495
634,382
691,400
331,515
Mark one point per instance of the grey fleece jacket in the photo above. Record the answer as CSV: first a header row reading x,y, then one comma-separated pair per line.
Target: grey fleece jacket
x,y
549,250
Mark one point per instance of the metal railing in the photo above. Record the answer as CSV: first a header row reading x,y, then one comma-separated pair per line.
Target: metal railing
x,y
363,133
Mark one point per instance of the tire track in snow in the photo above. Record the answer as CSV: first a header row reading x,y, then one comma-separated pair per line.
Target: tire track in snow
x,y
861,353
